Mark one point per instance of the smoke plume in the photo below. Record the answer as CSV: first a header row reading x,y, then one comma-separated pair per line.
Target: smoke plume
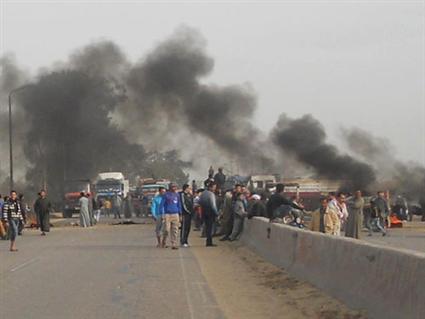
x,y
169,97
407,179
306,138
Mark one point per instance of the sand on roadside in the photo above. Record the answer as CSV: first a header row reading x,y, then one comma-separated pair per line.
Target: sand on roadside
x,y
248,287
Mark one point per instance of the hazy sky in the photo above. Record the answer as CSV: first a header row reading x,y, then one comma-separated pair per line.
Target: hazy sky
x,y
352,63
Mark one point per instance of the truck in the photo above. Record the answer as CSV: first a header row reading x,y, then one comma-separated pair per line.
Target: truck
x,y
72,189
110,184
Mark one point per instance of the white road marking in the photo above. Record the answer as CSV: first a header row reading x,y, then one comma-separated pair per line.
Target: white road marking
x,y
24,264
186,286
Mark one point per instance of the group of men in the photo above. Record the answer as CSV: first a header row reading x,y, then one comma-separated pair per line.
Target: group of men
x,y
170,208
218,212
14,216
337,213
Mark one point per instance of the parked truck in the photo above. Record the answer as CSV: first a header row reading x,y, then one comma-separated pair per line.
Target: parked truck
x,y
110,184
73,188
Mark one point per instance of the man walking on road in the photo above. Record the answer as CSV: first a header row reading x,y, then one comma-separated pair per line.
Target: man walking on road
x,y
12,216
379,210
187,213
172,207
209,211
158,214
42,208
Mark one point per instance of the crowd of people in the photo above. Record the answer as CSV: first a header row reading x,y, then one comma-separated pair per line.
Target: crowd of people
x,y
214,210
217,211
338,214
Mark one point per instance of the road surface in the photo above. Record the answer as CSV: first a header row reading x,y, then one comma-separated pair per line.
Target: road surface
x,y
411,236
105,272
117,272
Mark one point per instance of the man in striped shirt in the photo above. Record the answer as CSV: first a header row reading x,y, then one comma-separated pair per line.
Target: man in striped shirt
x,y
12,216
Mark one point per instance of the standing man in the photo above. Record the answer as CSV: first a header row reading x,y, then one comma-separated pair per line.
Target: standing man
x,y
354,221
194,187
172,207
341,211
127,207
239,216
84,211
387,217
12,216
24,214
318,217
227,216
228,212
220,179
379,211
157,212
186,199
116,206
42,208
209,211
211,171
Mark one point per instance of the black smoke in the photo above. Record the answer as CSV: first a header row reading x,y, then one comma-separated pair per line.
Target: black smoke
x,y
169,96
401,178
306,138
69,131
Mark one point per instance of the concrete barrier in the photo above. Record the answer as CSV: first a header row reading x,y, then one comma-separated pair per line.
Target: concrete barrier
x,y
387,283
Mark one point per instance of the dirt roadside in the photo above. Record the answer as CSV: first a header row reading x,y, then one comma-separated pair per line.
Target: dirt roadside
x,y
248,287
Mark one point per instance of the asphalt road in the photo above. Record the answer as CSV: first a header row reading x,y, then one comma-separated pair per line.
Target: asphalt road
x,y
104,272
411,237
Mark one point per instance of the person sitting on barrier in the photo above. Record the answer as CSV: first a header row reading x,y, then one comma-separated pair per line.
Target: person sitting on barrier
x,y
279,207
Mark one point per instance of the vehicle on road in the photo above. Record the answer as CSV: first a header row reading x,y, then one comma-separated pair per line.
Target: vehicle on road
x,y
73,188
111,184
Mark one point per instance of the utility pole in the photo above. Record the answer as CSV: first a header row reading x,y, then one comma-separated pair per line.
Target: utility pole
x,y
12,182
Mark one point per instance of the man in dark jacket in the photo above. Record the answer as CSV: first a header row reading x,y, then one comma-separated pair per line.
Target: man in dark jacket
x,y
42,208
209,211
220,178
187,213
277,200
24,214
12,216
379,211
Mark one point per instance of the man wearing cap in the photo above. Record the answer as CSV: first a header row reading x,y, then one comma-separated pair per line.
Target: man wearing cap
x,y
172,207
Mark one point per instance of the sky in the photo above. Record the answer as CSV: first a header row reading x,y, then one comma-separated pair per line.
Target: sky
x,y
349,63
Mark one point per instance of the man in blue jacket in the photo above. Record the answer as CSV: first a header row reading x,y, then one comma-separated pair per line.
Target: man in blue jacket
x,y
158,214
172,208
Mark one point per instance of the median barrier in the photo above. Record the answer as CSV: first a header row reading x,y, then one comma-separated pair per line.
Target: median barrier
x,y
387,283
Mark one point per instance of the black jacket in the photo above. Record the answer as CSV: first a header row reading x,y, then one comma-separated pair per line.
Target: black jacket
x,y
187,203
277,200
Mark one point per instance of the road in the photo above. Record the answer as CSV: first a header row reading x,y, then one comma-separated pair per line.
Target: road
x,y
117,272
411,236
104,272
